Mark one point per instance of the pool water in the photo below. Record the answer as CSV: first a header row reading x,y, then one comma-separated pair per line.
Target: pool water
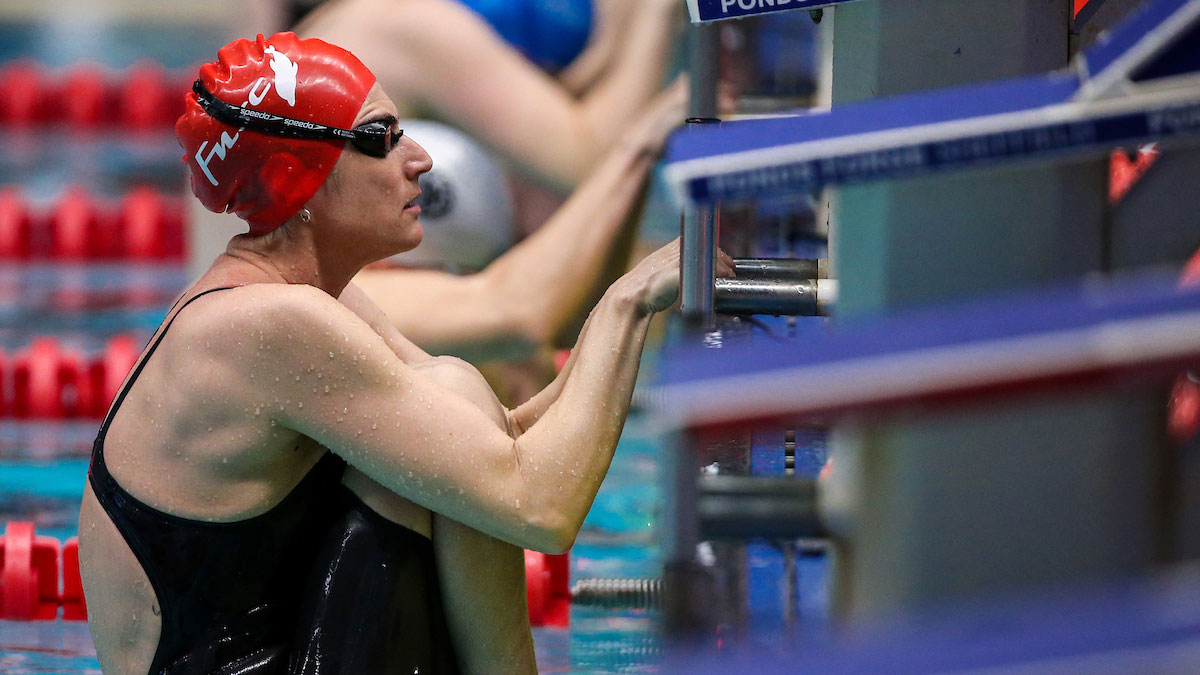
x,y
44,483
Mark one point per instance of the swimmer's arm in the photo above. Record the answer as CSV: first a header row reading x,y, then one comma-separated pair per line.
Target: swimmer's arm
x,y
339,383
472,79
532,293
361,304
528,413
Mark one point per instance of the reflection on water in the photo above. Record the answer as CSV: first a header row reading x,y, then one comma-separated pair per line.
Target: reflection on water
x,y
60,647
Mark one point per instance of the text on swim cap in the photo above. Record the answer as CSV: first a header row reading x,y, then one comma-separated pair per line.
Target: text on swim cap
x,y
226,142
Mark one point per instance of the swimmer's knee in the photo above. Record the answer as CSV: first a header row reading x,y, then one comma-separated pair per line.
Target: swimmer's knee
x,y
461,378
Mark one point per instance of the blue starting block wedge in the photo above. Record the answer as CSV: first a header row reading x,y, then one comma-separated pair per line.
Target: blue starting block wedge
x,y
1142,83
1078,336
715,10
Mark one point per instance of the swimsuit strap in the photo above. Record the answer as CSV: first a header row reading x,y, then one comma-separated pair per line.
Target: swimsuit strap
x,y
112,410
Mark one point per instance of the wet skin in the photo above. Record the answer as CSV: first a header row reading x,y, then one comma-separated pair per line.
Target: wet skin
x,y
253,385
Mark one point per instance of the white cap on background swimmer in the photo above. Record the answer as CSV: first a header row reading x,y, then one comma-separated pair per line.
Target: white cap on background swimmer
x,y
466,208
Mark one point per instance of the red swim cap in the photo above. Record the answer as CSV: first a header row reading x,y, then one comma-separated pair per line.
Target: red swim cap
x,y
264,178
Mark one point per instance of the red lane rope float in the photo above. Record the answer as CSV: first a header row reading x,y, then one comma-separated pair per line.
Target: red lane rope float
x,y
29,580
14,225
548,588
143,225
51,382
28,574
106,374
23,94
46,381
73,604
89,96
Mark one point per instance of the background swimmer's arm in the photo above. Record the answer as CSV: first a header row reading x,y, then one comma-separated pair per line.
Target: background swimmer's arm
x,y
531,294
470,77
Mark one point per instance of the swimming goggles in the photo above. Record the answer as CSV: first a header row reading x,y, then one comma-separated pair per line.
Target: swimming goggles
x,y
372,138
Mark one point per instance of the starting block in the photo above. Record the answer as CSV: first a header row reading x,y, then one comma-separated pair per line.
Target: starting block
x,y
1079,336
1140,84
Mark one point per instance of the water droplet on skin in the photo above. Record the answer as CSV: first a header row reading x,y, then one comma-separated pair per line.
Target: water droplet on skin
x,y
300,404
331,355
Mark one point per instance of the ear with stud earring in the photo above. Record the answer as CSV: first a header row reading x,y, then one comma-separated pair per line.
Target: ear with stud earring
x,y
305,215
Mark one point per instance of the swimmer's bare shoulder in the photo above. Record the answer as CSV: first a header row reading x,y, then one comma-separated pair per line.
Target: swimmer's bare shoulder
x,y
317,368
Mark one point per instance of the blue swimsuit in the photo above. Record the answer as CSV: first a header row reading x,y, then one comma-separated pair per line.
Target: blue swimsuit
x,y
550,33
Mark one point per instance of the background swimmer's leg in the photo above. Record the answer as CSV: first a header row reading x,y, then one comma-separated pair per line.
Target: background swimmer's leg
x,y
482,579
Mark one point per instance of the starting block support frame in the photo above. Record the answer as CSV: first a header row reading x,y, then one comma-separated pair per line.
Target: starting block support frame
x,y
1045,489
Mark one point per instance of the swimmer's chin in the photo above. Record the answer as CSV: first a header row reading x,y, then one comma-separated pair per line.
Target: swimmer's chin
x,y
416,234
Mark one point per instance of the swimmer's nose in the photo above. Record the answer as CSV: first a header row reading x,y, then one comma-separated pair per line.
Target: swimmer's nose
x,y
417,161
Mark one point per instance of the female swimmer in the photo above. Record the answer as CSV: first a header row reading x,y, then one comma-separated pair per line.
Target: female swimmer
x,y
229,499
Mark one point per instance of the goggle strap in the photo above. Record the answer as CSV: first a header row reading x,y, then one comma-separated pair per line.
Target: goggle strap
x,y
259,120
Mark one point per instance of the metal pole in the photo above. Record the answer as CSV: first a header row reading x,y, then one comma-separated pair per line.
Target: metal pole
x,y
703,69
687,594
699,224
698,266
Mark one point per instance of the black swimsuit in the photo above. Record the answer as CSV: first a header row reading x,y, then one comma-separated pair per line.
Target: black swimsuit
x,y
373,604
265,595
